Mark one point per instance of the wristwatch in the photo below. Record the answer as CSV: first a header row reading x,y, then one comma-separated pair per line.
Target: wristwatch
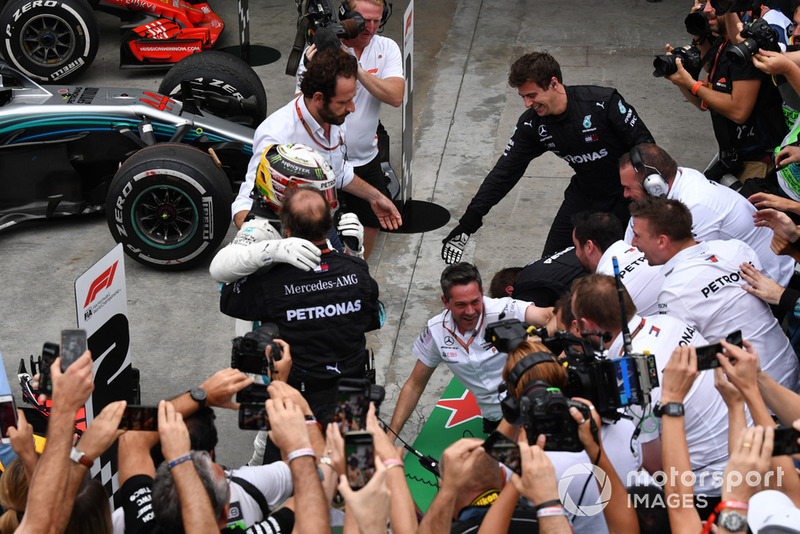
x,y
198,395
733,521
79,457
672,409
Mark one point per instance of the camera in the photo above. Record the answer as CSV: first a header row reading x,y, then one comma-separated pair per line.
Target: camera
x,y
736,6
321,18
247,353
665,64
50,351
758,34
697,24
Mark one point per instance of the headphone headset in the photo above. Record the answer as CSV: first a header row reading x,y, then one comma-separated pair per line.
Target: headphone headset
x,y
512,406
654,184
552,84
346,13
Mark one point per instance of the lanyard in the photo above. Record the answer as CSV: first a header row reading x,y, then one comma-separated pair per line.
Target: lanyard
x,y
633,335
305,125
477,329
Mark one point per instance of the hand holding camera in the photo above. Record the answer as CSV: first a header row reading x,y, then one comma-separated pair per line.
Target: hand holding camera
x,y
223,385
287,425
538,479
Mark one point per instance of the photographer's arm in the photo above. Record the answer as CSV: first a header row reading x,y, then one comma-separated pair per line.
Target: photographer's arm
x,y
22,443
387,90
620,517
220,389
410,394
678,376
737,420
784,402
498,518
538,316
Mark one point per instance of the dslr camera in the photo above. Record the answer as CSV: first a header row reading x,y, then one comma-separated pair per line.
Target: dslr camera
x,y
758,34
248,351
665,64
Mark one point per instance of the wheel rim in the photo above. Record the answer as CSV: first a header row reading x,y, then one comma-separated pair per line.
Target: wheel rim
x,y
48,40
164,217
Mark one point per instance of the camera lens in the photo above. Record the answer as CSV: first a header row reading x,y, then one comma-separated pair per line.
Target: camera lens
x,y
743,52
664,65
696,23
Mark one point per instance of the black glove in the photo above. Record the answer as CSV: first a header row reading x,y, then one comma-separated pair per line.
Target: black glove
x,y
454,243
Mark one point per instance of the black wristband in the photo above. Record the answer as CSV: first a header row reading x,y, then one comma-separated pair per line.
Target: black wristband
x,y
554,502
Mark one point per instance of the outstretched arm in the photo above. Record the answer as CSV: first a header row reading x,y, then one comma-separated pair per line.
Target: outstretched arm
x,y
410,394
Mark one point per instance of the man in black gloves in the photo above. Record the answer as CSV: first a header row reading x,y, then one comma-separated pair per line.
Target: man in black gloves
x,y
589,127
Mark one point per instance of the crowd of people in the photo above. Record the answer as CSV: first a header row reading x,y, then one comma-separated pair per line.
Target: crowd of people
x,y
644,257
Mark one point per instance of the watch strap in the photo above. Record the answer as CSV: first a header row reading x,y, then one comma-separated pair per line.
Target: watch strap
x,y
79,457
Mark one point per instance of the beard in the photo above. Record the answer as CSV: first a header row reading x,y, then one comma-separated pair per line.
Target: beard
x,y
330,117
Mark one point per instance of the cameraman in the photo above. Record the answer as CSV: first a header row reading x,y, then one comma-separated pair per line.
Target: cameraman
x,y
745,109
618,448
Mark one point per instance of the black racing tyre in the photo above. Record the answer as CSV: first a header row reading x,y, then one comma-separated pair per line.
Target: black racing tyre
x,y
226,86
49,40
169,205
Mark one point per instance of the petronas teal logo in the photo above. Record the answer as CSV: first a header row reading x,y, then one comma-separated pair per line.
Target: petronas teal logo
x,y
587,121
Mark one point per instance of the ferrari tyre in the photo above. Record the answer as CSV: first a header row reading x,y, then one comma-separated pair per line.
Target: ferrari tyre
x,y
226,86
169,205
49,40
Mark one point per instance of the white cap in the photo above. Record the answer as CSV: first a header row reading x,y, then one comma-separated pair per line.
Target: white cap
x,y
772,512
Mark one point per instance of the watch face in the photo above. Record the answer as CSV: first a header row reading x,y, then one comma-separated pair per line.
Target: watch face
x,y
198,394
733,521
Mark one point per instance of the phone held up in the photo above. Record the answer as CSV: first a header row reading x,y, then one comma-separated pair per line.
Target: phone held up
x,y
504,450
359,456
707,354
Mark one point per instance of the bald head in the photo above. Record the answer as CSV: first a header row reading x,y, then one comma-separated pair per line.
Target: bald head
x,y
306,214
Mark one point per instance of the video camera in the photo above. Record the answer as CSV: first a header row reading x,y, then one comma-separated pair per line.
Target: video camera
x,y
317,25
758,34
248,351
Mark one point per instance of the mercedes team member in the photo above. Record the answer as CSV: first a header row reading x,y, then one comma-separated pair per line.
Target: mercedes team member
x,y
703,284
456,337
589,127
545,280
718,212
323,313
317,119
380,80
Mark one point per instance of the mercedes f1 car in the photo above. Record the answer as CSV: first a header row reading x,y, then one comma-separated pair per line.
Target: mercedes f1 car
x,y
164,170
53,40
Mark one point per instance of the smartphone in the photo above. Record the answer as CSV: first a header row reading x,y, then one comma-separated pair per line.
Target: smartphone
x,y
73,345
359,456
139,418
504,450
786,441
8,416
707,354
253,416
352,405
253,394
49,354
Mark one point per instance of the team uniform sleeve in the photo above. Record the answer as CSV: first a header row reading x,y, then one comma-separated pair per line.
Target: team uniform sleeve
x,y
281,522
520,150
240,301
669,303
239,258
393,61
628,125
273,480
425,349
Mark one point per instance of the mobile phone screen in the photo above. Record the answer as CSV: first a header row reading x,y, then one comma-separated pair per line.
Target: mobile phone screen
x,y
707,354
8,416
786,441
253,416
351,410
627,383
359,454
504,450
139,418
73,345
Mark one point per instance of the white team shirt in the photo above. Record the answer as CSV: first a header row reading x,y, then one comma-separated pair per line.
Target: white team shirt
x,y
616,439
381,58
641,280
285,126
479,366
703,287
273,480
706,415
719,212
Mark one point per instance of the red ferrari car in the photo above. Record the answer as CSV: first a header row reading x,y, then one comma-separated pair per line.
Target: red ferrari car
x,y
54,40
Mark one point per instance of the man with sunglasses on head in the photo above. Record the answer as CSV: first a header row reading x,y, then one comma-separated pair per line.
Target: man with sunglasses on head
x,y
379,81
316,118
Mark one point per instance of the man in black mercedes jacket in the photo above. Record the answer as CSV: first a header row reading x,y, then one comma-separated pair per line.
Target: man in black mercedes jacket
x,y
322,313
587,126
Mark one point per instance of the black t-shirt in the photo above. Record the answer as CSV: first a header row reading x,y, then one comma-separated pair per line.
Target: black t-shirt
x,y
280,522
765,128
136,498
544,281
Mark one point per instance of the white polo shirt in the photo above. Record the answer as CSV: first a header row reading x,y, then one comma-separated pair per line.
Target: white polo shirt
x,y
641,280
706,415
719,212
472,359
286,126
381,58
703,287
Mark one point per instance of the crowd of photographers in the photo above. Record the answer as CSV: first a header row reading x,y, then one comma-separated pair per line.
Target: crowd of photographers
x,y
657,390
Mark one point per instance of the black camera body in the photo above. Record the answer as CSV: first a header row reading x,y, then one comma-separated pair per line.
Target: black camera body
x,y
758,34
545,410
247,352
321,17
362,386
50,351
736,6
697,24
691,57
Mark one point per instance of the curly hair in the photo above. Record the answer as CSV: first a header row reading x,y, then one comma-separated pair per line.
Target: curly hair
x,y
325,70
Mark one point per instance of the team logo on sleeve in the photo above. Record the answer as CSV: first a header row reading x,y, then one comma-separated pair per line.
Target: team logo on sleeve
x,y
621,107
655,330
712,258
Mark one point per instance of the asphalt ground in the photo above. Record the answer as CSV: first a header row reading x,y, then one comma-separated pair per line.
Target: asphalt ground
x,y
464,114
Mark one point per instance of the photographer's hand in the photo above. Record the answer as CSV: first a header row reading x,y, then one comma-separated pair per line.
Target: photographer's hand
x,y
767,200
591,446
752,455
371,504
779,222
284,365
72,388
23,444
786,156
679,374
103,431
681,76
538,481
771,62
287,425
741,366
222,386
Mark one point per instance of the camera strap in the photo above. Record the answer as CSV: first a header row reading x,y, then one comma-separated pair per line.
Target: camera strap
x,y
254,494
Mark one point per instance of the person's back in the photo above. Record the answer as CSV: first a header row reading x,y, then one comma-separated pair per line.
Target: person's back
x,y
704,288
